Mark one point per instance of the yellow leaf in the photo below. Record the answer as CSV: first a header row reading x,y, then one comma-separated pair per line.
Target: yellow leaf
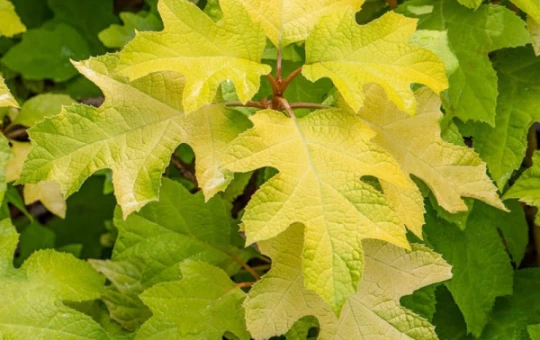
x,y
450,171
320,159
276,302
205,52
353,55
6,99
288,21
10,23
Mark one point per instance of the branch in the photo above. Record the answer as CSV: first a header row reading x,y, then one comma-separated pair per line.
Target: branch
x,y
309,106
184,170
392,3
290,78
287,107
258,105
245,266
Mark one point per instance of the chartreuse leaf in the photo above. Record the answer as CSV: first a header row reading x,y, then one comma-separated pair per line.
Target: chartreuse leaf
x,y
205,52
133,133
531,7
33,297
474,4
289,21
377,52
6,99
320,159
275,303
205,304
527,187
480,264
152,243
450,171
48,192
534,30
503,147
472,35
534,331
10,23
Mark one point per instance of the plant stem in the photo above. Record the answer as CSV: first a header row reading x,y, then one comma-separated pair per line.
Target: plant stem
x,y
392,3
308,106
287,107
244,284
246,267
184,170
289,78
258,105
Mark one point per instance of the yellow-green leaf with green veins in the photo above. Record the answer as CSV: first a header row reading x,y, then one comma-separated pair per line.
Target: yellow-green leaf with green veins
x,y
534,30
531,7
6,99
205,304
205,52
378,52
133,133
48,279
276,302
527,186
10,23
451,171
288,21
474,4
48,192
320,158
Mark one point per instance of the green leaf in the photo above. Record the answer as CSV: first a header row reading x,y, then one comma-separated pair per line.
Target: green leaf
x,y
205,304
117,36
33,13
338,209
285,22
503,147
45,53
527,187
377,52
422,302
475,285
301,328
448,320
117,137
34,237
472,35
208,53
514,229
5,156
153,242
534,331
280,298
89,17
41,106
474,4
511,315
10,23
47,279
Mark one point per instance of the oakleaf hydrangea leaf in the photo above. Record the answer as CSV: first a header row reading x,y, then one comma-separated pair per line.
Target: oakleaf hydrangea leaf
x,y
450,171
472,35
48,192
320,159
275,303
33,296
6,99
474,4
133,133
117,36
527,187
10,23
289,21
377,52
152,243
534,30
205,52
503,147
475,285
531,7
45,53
205,304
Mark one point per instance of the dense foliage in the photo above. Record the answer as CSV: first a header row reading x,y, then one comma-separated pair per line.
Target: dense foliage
x,y
293,169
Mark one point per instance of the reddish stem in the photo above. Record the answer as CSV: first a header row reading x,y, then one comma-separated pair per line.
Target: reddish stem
x,y
290,78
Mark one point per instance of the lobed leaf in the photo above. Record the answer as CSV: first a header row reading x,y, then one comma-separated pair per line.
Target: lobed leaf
x,y
48,279
275,303
133,133
378,52
10,23
527,186
289,21
205,304
205,52
320,159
